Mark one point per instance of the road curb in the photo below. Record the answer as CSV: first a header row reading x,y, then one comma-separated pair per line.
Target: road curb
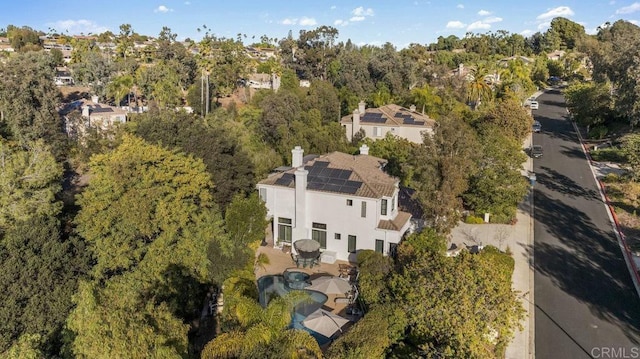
x,y
622,241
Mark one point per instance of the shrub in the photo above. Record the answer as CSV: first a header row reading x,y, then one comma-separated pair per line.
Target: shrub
x,y
608,155
598,132
473,220
611,178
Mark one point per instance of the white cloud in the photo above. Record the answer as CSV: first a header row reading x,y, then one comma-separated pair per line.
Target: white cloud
x,y
563,11
308,21
357,18
333,7
526,32
544,25
478,25
340,23
77,27
492,19
361,11
460,6
456,25
162,9
484,12
635,22
629,9
288,21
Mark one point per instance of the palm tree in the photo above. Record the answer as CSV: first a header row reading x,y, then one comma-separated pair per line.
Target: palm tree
x,y
260,332
120,87
478,89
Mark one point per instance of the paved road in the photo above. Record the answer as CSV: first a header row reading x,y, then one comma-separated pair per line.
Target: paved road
x,y
586,305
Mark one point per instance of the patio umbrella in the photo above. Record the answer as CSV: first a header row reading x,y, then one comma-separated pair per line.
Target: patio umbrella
x,y
307,248
330,285
325,323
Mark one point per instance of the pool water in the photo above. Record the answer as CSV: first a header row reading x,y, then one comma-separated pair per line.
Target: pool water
x,y
270,286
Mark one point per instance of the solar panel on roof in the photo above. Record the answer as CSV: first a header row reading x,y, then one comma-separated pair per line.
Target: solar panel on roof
x,y
321,164
421,123
285,180
344,174
348,190
315,185
355,184
332,188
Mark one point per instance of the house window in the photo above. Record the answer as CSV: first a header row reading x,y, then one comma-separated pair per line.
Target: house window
x,y
263,195
319,234
383,209
351,244
379,245
349,202
337,236
377,132
393,204
284,230
363,210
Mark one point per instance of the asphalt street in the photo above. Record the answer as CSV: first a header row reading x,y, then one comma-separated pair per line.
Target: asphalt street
x,y
585,302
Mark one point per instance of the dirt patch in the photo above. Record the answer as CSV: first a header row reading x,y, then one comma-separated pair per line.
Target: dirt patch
x,y
74,93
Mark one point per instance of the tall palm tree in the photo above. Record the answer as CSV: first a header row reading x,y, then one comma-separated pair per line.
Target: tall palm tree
x,y
260,332
478,89
120,87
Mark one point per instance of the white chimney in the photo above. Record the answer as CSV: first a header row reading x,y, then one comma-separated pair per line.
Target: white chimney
x,y
364,150
356,123
361,107
85,111
300,229
95,99
296,157
412,108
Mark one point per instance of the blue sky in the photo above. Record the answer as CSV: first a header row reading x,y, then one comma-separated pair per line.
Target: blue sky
x,y
399,22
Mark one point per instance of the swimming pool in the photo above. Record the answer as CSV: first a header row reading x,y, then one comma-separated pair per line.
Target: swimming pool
x,y
270,286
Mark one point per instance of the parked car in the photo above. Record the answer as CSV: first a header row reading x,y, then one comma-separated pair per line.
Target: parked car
x,y
537,126
533,105
536,151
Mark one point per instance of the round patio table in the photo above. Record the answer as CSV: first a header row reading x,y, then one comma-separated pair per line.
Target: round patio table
x,y
307,248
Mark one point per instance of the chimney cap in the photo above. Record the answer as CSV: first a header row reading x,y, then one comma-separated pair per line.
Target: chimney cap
x,y
364,149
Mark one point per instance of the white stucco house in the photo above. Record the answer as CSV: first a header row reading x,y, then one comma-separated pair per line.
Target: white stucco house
x,y
93,115
345,202
397,120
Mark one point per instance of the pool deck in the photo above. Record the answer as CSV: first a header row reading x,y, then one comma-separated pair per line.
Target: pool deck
x,y
280,261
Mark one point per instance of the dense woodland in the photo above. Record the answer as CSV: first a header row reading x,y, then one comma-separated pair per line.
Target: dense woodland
x,y
109,245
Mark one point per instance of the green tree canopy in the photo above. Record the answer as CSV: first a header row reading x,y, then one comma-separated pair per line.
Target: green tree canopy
x,y
29,101
226,161
149,219
457,307
39,271
441,168
29,180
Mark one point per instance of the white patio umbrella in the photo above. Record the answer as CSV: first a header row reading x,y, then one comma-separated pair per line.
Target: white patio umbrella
x,y
325,323
330,285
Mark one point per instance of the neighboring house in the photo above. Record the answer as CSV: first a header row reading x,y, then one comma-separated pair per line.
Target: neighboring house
x,y
394,119
261,53
5,45
264,81
556,55
93,115
63,77
347,203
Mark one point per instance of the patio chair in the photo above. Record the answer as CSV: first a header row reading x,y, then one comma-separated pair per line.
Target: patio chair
x,y
296,259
